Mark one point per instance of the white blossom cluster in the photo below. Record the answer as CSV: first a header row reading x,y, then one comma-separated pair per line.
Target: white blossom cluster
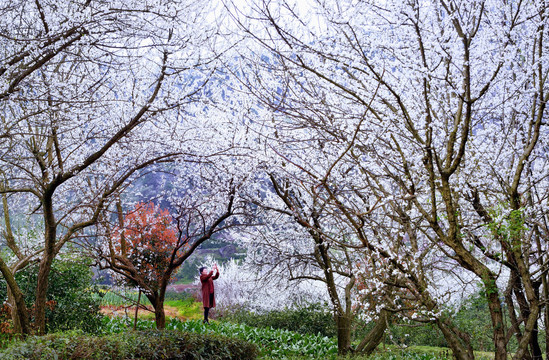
x,y
241,287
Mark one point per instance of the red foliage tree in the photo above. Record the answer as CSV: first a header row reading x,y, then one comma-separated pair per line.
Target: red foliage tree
x,y
148,240
149,245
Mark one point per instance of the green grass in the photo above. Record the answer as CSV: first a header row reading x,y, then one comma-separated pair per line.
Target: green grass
x,y
187,309
411,353
391,352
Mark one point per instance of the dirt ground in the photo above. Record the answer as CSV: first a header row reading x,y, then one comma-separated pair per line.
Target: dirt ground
x,y
121,311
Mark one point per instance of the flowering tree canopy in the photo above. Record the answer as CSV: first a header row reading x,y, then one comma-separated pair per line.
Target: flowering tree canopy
x,y
400,144
423,126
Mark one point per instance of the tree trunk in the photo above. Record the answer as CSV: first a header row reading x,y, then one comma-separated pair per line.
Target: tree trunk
x,y
343,333
17,328
546,313
543,296
137,310
459,342
496,315
19,309
41,294
535,349
467,260
44,269
375,336
159,314
534,344
546,332
515,326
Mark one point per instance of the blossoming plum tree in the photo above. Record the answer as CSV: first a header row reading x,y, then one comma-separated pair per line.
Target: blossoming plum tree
x,y
91,93
439,109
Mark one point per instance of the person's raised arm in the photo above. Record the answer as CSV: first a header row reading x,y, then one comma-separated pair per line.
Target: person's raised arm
x,y
216,272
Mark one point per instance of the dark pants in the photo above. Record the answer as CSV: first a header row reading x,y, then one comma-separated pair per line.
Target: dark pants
x,y
207,309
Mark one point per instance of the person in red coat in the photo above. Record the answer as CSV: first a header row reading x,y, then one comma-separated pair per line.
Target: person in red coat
x,y
208,297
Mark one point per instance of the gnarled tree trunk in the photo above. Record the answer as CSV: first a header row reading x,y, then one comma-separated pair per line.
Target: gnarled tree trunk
x,y
343,323
375,336
41,294
19,309
496,315
160,315
459,342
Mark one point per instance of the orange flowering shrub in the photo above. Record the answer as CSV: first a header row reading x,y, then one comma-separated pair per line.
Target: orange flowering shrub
x,y
150,239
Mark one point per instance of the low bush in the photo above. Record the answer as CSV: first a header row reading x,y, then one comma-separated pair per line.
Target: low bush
x,y
131,345
274,343
313,319
72,298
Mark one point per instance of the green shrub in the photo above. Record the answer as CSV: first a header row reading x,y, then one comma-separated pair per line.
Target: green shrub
x,y
408,333
274,343
70,293
312,319
71,287
474,318
131,345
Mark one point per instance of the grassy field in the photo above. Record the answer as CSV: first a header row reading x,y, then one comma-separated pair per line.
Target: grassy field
x,y
191,310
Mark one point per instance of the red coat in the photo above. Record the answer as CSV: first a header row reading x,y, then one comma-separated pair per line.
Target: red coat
x,y
208,288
